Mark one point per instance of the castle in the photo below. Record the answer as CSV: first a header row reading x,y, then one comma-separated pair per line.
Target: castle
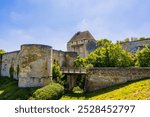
x,y
32,64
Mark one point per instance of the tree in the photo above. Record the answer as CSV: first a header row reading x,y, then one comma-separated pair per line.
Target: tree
x,y
2,51
142,38
57,74
80,62
102,42
126,40
142,57
110,55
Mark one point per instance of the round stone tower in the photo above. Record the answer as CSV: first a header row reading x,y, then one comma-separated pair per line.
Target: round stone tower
x,y
35,65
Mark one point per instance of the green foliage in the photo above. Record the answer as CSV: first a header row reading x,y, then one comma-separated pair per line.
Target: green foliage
x,y
142,57
126,40
110,55
50,92
18,70
102,42
9,90
11,71
135,90
57,74
142,38
2,51
79,62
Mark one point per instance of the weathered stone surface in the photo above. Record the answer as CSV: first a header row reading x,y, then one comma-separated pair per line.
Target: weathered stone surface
x,y
32,65
65,59
60,57
98,78
83,43
9,64
35,65
69,58
133,46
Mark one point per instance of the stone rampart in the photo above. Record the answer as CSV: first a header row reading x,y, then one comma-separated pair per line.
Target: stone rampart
x,y
9,64
35,65
133,46
98,78
32,65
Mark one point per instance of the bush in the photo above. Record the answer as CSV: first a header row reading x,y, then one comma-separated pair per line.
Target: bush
x,y
142,57
50,92
57,74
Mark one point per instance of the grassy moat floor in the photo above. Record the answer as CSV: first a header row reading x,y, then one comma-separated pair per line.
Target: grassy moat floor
x,y
9,90
137,90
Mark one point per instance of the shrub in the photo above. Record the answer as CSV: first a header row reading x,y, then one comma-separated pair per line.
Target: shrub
x,y
57,74
50,92
142,57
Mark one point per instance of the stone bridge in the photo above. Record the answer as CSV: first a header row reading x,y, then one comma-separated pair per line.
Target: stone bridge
x,y
73,70
72,73
98,78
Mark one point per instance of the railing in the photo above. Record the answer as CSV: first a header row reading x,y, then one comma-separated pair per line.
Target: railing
x,y
72,70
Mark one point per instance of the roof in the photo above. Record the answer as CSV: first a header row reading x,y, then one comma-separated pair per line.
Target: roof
x,y
82,35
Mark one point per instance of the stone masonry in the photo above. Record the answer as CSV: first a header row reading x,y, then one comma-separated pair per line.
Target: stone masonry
x,y
98,78
32,64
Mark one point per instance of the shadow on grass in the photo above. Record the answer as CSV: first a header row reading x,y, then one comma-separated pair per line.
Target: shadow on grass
x,y
86,96
9,90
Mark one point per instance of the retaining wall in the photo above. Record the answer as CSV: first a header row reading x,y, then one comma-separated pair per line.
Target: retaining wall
x,y
98,78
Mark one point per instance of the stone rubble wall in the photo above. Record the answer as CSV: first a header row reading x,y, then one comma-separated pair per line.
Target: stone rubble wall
x,y
35,65
134,45
9,64
98,78
32,65
65,59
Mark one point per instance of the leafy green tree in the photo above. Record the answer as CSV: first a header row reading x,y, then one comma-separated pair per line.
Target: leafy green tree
x,y
2,51
142,38
110,55
126,40
57,74
80,62
102,42
142,57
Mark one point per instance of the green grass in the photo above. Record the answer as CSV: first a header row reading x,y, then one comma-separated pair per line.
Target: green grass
x,y
9,90
137,90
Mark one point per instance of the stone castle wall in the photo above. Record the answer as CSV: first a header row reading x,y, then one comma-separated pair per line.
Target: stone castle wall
x,y
98,78
65,59
9,63
32,65
35,65
134,45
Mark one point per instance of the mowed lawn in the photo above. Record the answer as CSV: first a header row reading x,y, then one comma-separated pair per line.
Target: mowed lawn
x,y
137,90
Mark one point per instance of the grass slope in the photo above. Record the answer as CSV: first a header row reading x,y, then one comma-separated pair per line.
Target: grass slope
x,y
137,90
9,90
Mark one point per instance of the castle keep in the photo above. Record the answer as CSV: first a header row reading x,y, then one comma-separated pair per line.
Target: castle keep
x,y
32,64
83,43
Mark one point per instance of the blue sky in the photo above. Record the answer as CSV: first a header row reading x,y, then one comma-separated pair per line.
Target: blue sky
x,y
54,22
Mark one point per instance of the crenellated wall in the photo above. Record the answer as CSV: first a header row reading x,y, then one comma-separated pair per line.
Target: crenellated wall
x,y
98,78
